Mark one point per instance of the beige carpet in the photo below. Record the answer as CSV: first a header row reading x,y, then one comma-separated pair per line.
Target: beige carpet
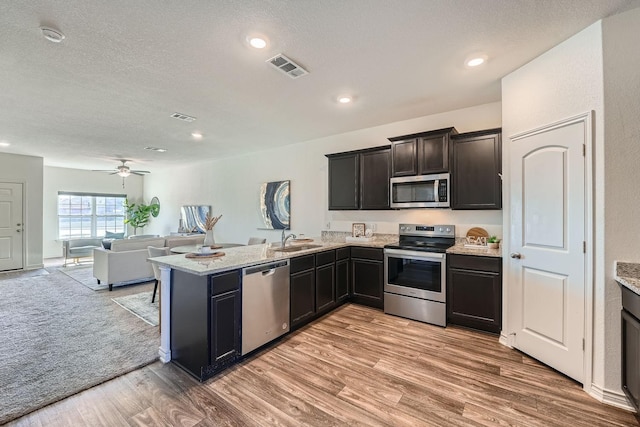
x,y
59,337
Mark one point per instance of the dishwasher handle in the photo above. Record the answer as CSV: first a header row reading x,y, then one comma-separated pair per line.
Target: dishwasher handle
x,y
266,269
268,273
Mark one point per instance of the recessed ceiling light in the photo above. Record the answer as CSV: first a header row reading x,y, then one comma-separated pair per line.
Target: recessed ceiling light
x,y
52,35
475,60
345,99
4,144
257,42
196,135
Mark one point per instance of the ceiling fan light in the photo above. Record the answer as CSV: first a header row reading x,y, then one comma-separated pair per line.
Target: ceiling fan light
x,y
124,173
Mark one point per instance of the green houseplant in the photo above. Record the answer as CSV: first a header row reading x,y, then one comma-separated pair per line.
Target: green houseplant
x,y
493,242
138,215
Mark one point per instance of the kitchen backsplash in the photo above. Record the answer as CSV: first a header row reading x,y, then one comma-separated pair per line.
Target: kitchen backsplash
x,y
382,228
340,236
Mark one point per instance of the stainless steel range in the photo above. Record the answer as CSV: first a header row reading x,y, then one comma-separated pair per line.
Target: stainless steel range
x,y
415,273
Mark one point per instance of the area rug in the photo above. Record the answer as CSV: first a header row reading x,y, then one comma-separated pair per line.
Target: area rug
x,y
84,275
59,338
140,305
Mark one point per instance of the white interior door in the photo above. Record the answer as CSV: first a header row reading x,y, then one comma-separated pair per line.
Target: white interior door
x,y
547,247
11,226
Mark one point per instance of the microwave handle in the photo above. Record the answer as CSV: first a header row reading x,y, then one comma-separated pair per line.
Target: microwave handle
x,y
436,187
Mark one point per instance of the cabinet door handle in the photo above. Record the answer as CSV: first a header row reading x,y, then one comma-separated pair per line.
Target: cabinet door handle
x,y
515,255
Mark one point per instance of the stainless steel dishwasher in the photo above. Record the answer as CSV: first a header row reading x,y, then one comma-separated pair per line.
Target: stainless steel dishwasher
x,y
265,304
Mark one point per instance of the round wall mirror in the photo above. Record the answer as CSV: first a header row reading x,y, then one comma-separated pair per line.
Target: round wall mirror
x,y
155,205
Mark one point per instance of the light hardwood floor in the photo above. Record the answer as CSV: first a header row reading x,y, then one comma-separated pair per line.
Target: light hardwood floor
x,y
355,366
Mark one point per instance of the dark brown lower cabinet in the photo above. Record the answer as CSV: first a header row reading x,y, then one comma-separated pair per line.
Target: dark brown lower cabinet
x,y
325,287
302,289
367,270
205,321
474,292
225,324
631,346
342,280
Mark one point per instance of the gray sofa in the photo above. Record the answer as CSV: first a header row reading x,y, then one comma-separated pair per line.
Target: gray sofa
x,y
79,248
126,261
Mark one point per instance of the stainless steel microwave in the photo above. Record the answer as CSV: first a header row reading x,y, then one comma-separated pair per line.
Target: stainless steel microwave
x,y
423,191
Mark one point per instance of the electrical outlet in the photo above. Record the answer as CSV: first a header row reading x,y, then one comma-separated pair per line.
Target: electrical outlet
x,y
329,225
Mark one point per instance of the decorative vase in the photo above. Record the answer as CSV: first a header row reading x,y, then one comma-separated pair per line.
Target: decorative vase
x,y
208,238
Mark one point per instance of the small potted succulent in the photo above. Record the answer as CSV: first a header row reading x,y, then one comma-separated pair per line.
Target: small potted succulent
x,y
493,242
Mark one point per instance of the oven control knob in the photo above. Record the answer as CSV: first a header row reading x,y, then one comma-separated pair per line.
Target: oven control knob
x,y
448,230
441,229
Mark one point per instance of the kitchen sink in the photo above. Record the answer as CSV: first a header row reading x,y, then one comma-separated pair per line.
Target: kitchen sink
x,y
295,248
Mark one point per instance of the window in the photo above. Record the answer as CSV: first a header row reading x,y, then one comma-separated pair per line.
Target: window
x,y
90,215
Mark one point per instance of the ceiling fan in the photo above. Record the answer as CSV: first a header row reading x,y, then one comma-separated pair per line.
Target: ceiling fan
x,y
124,171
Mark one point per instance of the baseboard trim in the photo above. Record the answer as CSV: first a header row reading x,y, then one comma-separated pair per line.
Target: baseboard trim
x,y
610,397
504,340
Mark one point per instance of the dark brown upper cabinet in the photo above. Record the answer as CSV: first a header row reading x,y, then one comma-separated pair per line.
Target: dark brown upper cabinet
x,y
421,153
360,179
476,167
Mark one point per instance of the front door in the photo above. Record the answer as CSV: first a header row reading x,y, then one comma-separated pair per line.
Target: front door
x,y
11,226
547,244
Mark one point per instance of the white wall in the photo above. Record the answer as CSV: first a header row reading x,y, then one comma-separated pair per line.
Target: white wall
x,y
595,70
563,82
27,170
621,168
231,185
63,179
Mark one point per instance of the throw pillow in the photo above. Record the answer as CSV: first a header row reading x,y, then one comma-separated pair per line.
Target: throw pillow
x,y
110,235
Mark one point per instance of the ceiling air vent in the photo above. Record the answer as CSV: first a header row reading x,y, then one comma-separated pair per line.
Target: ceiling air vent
x,y
183,117
287,66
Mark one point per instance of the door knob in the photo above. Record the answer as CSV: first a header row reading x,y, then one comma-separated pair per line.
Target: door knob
x,y
515,255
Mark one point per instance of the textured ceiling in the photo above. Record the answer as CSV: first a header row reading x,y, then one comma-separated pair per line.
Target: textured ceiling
x,y
108,89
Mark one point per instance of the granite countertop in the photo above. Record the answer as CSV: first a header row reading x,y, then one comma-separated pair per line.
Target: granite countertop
x,y
460,249
245,256
628,275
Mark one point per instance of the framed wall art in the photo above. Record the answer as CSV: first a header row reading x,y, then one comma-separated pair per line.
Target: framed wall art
x,y
275,205
357,229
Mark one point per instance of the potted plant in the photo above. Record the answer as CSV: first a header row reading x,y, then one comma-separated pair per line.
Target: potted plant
x,y
493,242
138,216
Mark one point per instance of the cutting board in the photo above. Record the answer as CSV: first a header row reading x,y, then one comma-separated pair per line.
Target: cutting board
x,y
477,232
196,255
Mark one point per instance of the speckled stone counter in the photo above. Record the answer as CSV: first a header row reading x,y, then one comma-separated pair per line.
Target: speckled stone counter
x,y
460,249
628,275
245,256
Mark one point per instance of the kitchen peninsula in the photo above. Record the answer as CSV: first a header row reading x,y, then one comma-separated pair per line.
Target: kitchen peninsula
x,y
201,297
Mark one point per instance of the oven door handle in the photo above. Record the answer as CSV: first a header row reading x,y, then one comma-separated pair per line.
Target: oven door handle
x,y
415,254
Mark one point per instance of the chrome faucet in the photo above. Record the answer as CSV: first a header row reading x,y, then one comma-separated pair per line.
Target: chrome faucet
x,y
284,239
